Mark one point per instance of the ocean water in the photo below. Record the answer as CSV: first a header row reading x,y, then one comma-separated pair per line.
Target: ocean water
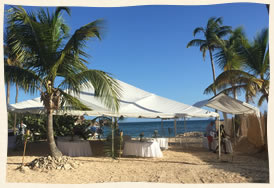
x,y
134,129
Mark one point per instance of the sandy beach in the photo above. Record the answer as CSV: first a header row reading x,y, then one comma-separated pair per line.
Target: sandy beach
x,y
181,164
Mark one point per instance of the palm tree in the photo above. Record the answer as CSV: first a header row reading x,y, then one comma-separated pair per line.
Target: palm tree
x,y
55,54
227,58
254,78
213,32
11,60
256,59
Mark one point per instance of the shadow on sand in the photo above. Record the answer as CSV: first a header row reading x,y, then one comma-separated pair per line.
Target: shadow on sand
x,y
254,167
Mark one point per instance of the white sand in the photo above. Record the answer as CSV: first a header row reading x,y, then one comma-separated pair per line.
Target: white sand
x,y
179,165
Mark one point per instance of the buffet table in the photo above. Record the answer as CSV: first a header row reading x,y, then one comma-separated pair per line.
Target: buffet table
x,y
163,142
142,149
74,148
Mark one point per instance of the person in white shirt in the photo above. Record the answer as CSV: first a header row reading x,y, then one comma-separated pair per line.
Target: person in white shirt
x,y
21,128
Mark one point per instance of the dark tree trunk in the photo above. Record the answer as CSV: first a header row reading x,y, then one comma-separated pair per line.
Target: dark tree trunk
x,y
16,100
55,152
17,90
8,93
214,77
213,71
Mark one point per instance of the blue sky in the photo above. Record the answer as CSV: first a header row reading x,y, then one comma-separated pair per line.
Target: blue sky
x,y
145,46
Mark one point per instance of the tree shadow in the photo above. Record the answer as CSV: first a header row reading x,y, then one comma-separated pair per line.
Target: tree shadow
x,y
41,149
252,166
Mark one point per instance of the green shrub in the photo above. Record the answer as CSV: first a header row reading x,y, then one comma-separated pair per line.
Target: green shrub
x,y
117,144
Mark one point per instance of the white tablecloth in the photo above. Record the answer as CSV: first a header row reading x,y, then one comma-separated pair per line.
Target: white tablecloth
x,y
142,149
163,142
215,143
75,148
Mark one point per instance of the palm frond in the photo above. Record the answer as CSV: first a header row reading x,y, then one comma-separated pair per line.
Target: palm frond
x,y
262,99
77,42
197,30
105,87
72,102
196,42
27,79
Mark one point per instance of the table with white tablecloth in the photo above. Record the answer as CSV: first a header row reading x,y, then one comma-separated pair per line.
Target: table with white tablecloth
x,y
215,143
142,149
163,142
74,148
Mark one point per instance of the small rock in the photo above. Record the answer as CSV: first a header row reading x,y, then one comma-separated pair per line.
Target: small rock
x,y
67,167
73,165
24,169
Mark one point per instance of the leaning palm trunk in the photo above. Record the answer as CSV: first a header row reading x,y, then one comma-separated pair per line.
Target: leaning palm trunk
x,y
16,100
55,152
213,70
49,105
8,92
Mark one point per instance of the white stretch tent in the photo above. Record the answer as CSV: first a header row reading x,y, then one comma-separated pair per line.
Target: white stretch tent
x,y
134,103
229,105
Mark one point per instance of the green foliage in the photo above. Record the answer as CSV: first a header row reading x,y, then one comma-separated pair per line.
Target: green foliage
x,y
10,120
118,141
63,125
82,131
36,124
252,57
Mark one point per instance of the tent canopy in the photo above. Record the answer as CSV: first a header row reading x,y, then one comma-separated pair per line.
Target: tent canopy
x,y
229,105
134,103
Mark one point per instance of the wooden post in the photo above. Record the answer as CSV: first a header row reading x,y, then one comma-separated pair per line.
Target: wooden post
x,y
175,131
121,142
185,130
234,131
219,137
25,145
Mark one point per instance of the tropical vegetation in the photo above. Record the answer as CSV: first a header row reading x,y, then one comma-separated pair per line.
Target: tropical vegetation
x,y
247,67
212,33
245,63
54,62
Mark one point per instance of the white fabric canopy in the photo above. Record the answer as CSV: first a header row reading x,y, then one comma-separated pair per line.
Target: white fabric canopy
x,y
229,105
134,103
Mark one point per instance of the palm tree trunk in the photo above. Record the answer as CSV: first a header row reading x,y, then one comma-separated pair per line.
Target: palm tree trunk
x,y
213,71
16,100
234,90
55,152
8,93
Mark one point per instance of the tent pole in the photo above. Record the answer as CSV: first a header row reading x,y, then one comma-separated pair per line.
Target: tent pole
x,y
233,122
185,131
162,125
175,131
175,128
112,138
219,137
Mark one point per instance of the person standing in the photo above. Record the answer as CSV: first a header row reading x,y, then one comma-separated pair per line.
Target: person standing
x,y
21,131
223,136
21,128
209,134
